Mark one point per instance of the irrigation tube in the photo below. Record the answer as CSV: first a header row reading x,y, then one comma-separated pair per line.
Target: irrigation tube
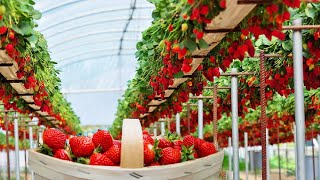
x,y
235,130
299,100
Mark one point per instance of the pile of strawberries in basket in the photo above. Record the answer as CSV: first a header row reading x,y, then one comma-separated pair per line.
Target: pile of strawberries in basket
x,y
103,150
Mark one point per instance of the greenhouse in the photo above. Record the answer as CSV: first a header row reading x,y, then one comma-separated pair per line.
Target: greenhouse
x,y
160,89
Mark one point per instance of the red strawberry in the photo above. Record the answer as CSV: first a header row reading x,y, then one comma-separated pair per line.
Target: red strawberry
x,y
195,155
199,142
101,160
163,143
155,164
205,149
103,139
189,141
113,153
177,142
81,146
9,48
54,138
148,153
177,147
62,154
148,138
116,142
170,155
3,30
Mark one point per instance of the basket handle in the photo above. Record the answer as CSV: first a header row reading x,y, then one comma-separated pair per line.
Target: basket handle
x,y
132,144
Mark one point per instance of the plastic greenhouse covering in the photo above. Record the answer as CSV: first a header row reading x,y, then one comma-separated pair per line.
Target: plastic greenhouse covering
x,y
94,45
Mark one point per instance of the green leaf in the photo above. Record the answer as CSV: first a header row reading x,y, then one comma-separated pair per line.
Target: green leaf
x,y
203,44
287,45
190,44
310,12
26,28
33,40
36,15
17,29
178,75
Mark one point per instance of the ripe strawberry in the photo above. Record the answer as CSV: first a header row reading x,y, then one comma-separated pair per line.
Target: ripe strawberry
x,y
199,142
100,159
170,155
155,164
189,141
148,138
3,29
205,149
148,153
10,48
81,146
54,138
163,143
62,154
177,147
195,155
113,153
103,139
116,142
177,142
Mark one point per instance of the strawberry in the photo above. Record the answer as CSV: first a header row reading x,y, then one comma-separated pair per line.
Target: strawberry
x,y
148,153
3,30
177,142
189,141
170,155
103,139
163,143
195,155
81,146
155,164
54,139
148,138
116,142
113,153
101,160
199,141
62,154
205,149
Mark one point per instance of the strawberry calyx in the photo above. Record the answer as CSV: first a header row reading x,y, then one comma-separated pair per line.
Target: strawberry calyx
x,y
45,149
83,160
157,151
187,153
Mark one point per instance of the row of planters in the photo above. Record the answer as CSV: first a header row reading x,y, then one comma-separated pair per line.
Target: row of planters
x,y
280,113
166,54
28,49
22,144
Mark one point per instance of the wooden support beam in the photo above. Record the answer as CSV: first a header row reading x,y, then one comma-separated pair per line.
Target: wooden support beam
x,y
237,74
201,97
302,27
6,64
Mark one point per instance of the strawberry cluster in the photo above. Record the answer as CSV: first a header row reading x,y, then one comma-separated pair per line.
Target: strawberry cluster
x,y
103,150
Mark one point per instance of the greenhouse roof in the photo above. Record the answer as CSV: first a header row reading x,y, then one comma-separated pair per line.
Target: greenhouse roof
x,y
94,44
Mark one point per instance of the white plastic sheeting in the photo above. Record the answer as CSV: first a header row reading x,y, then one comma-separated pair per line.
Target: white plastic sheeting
x,y
84,37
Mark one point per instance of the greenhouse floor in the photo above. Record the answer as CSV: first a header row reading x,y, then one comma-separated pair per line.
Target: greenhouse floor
x,y
274,176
